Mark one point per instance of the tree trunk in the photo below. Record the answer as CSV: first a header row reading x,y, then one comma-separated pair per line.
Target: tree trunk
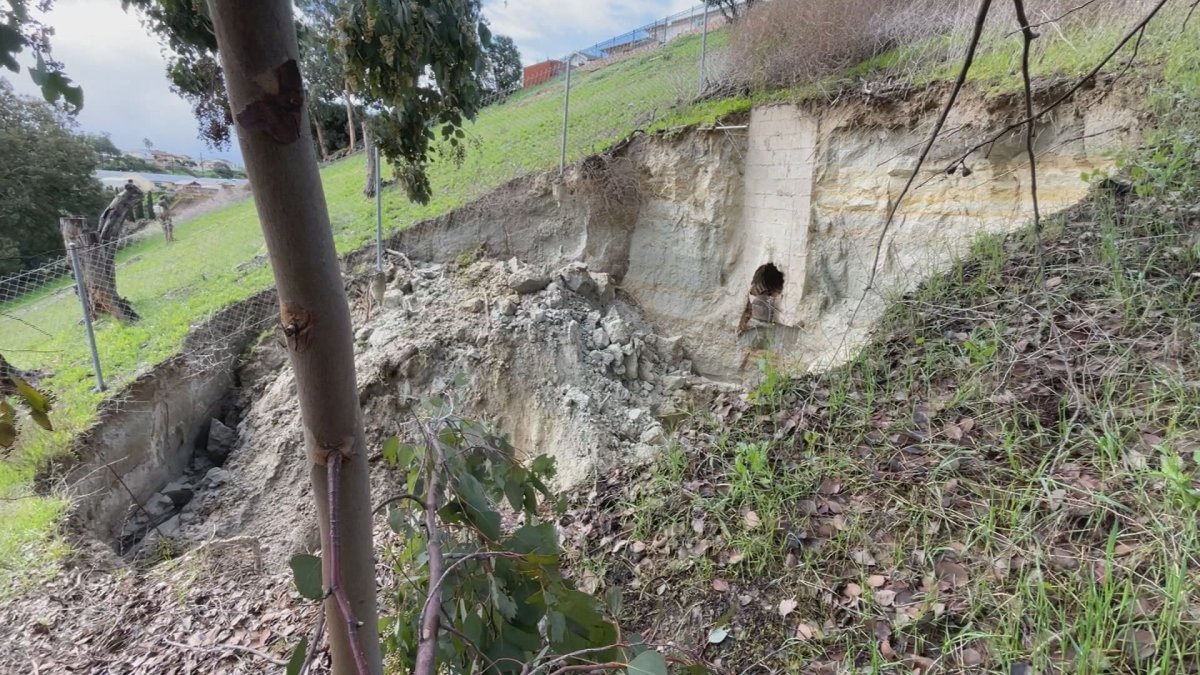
x,y
257,43
98,250
320,138
372,167
7,370
350,121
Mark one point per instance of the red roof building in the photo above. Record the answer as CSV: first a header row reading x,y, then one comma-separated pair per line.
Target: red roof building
x,y
542,72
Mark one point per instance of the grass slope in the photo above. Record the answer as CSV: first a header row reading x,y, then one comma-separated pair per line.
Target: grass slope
x,y
1007,479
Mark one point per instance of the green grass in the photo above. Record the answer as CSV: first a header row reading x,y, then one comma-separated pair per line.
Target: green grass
x,y
1068,53
211,264
959,492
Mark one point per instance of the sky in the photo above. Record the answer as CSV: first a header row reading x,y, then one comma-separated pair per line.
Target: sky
x,y
126,92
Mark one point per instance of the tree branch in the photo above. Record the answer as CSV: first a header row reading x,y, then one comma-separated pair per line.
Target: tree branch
x,y
1070,92
968,59
980,19
426,663
314,642
1056,19
1186,19
334,465
398,498
1027,38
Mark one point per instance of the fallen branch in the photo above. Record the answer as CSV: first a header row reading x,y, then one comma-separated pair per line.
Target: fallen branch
x,y
314,642
229,648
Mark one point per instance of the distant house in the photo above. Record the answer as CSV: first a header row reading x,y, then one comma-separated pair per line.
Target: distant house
x,y
580,59
632,44
163,159
543,72
169,182
214,164
685,23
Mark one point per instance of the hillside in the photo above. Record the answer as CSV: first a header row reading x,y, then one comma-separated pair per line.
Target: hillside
x,y
1004,478
220,258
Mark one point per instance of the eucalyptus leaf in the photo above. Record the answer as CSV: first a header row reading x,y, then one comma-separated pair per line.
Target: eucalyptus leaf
x,y
306,572
648,663
296,662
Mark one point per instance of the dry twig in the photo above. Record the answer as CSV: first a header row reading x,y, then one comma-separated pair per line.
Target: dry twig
x,y
229,648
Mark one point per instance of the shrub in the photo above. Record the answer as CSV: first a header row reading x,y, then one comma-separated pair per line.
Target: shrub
x,y
790,42
786,43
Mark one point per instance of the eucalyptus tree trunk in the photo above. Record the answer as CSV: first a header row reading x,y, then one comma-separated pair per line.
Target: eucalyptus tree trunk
x,y
320,138
257,43
372,165
98,251
350,126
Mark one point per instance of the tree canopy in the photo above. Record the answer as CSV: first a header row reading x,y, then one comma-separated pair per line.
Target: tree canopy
x,y
20,31
504,61
192,64
421,63
47,171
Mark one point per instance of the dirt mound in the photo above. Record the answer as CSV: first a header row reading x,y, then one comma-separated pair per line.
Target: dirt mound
x,y
559,362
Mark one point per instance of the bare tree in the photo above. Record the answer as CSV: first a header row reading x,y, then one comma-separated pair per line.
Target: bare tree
x,y
732,10
372,164
259,54
97,253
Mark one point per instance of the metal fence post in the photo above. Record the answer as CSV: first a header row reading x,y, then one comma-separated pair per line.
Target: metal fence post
x,y
562,160
703,50
378,212
87,315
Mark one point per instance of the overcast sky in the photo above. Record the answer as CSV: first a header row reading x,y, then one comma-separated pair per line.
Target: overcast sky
x,y
126,93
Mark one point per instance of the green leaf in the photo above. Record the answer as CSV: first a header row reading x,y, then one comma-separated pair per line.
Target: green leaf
x,y
11,43
398,520
296,662
391,451
477,509
42,419
543,466
8,434
649,663
35,399
558,626
472,627
534,539
306,572
503,603
612,598
524,640
38,73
